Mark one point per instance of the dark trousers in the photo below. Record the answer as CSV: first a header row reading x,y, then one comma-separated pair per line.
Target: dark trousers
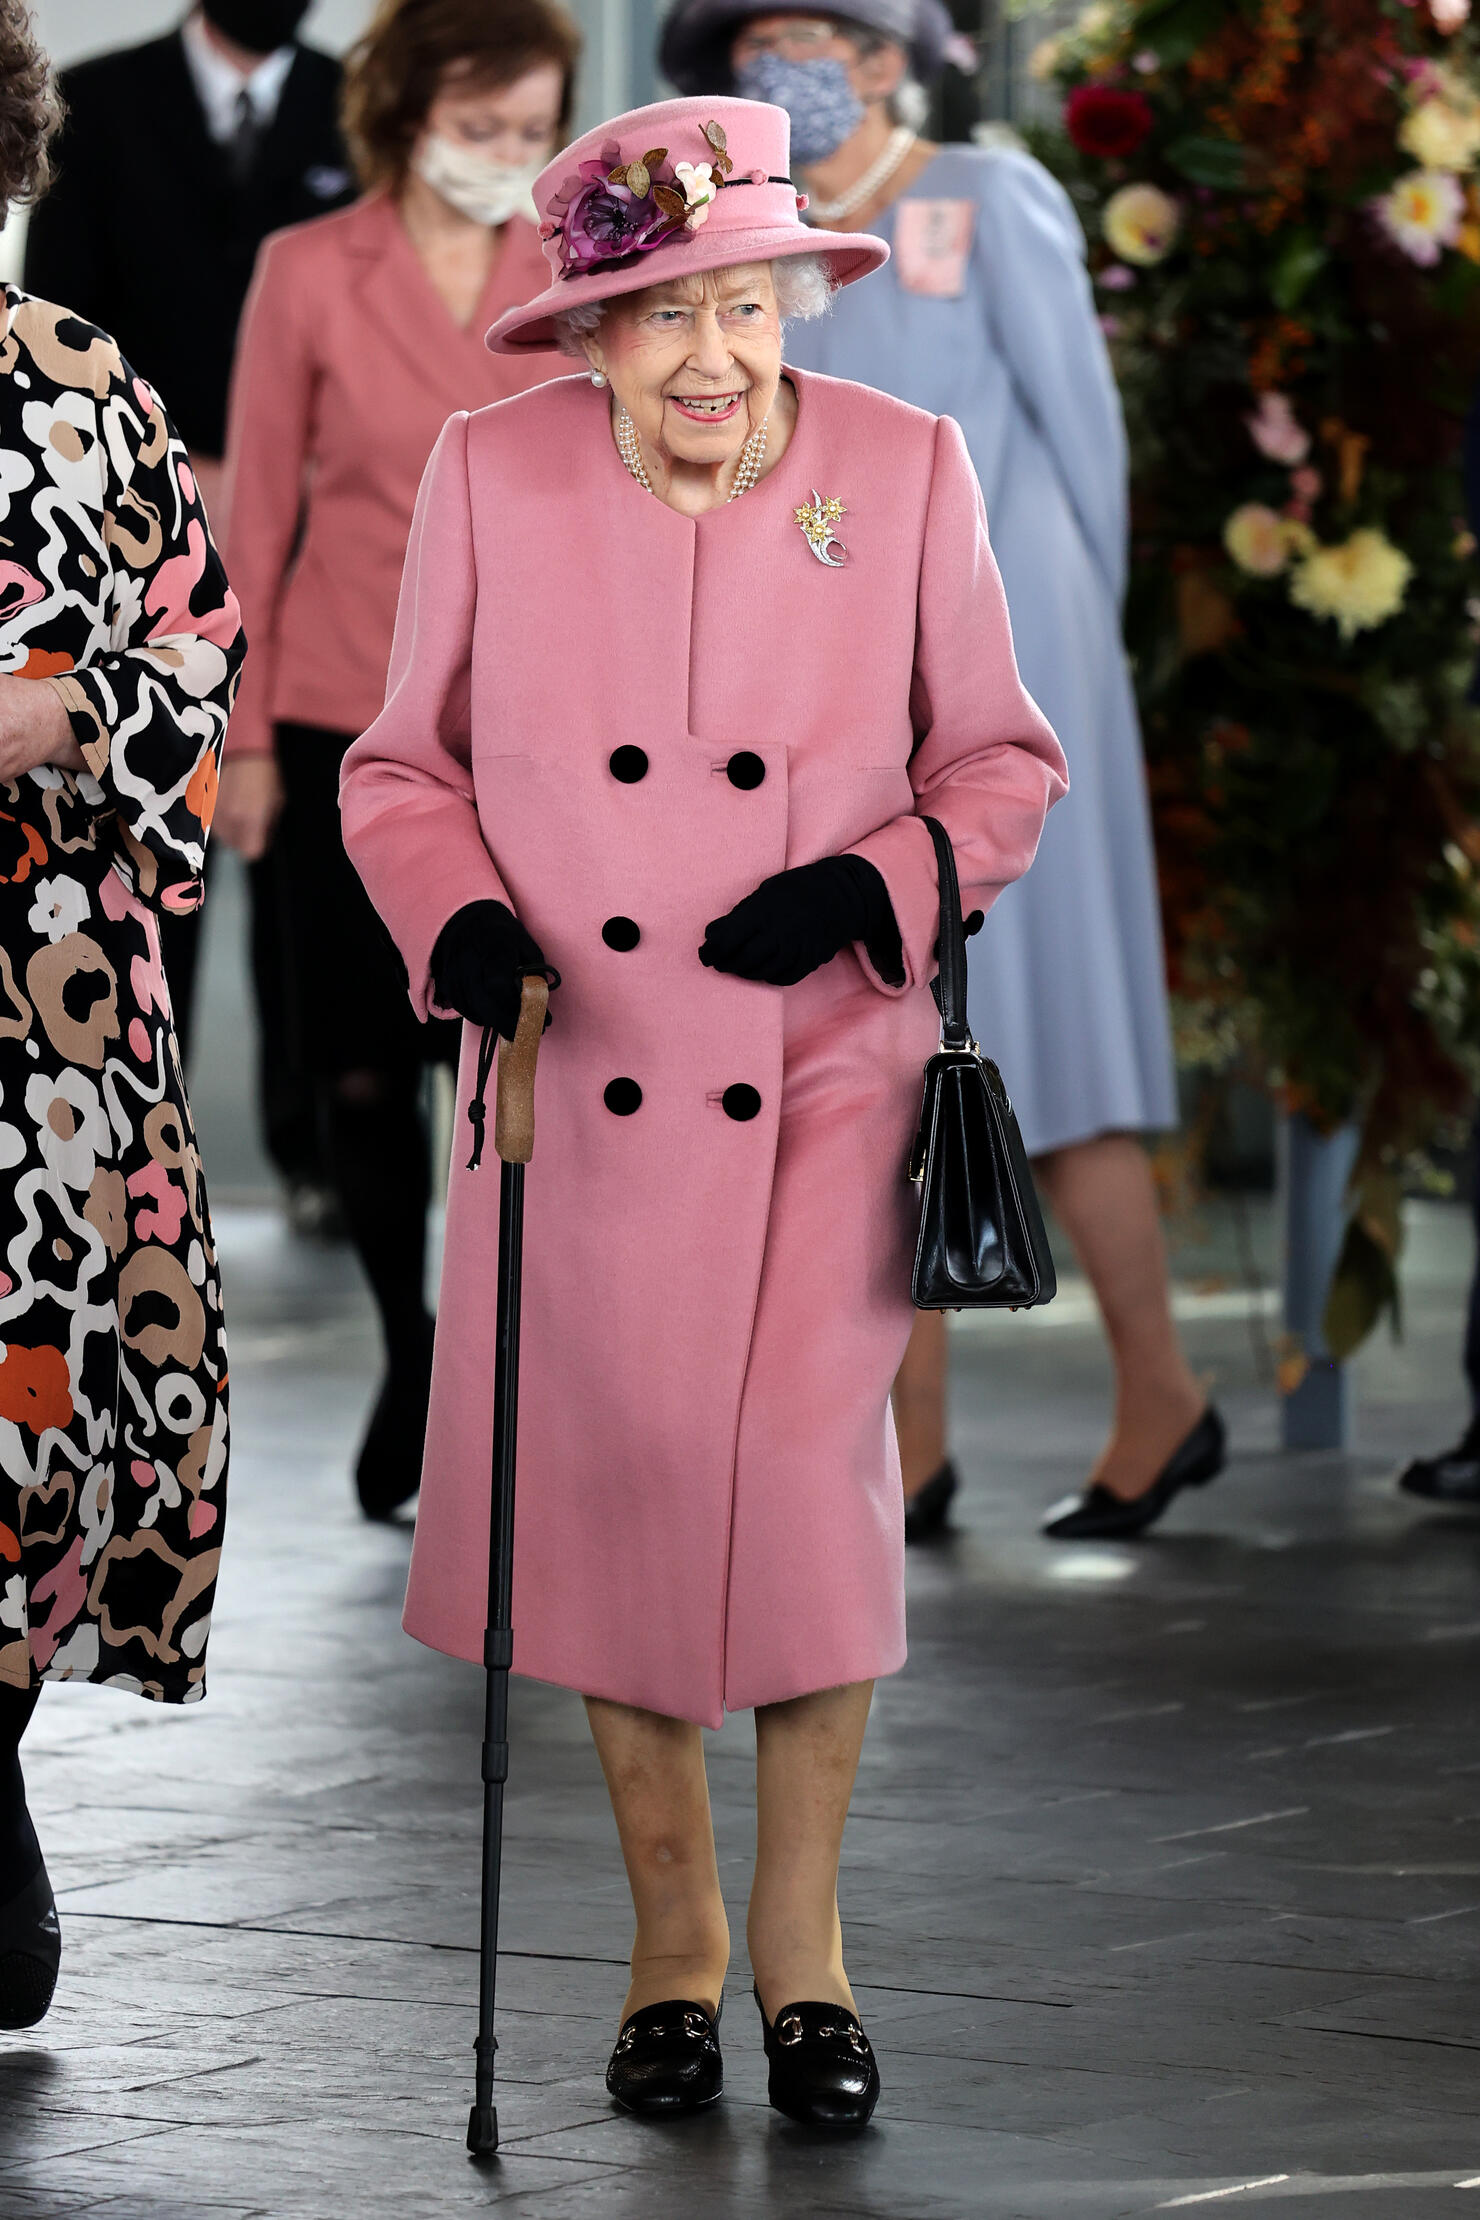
x,y
1472,1321
290,1124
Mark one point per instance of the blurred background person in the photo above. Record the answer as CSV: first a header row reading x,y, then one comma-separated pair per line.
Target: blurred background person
x,y
985,314
363,334
225,130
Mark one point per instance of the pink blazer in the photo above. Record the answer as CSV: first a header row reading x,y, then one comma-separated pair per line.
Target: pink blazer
x,y
348,367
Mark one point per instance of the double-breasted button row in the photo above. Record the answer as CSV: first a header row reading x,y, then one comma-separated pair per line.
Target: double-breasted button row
x,y
623,1096
744,769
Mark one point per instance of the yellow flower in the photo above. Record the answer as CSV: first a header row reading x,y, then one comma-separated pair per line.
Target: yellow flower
x,y
1441,135
1258,539
1141,223
1045,59
1360,584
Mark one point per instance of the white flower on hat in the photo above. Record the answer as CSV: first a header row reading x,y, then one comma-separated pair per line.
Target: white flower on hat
x,y
696,181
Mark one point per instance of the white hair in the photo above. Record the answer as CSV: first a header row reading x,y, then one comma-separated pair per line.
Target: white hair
x,y
804,285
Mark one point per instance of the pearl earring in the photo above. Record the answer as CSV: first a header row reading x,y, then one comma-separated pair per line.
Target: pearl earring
x,y
598,377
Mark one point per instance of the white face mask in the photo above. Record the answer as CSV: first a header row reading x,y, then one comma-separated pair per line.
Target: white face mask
x,y
484,191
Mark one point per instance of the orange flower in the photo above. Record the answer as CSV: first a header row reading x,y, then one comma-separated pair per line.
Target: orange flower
x,y
204,786
35,1388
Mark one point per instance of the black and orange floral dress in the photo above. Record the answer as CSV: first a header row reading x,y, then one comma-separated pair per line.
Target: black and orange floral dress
x,y
113,1423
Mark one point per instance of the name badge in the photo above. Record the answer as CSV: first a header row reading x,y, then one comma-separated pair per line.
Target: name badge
x,y
932,246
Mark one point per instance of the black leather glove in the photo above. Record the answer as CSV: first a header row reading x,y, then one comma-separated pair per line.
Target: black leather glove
x,y
798,920
479,964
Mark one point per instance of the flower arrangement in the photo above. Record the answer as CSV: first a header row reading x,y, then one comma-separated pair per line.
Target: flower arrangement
x,y
1282,199
614,210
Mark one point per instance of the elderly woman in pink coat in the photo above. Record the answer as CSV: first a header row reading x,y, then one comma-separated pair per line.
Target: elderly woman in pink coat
x,y
687,645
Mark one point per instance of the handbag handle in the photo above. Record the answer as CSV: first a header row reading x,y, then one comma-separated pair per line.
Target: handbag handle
x,y
950,987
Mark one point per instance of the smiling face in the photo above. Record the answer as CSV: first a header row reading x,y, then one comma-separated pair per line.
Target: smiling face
x,y
695,363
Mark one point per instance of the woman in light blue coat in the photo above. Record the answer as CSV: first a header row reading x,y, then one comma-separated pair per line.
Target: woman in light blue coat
x,y
985,313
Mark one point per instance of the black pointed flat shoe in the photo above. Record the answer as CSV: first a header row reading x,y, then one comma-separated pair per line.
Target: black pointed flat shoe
x,y
823,2069
1451,1477
1097,1515
667,2060
30,1953
925,1510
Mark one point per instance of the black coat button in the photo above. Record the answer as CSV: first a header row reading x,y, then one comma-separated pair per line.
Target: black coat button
x,y
628,764
622,1097
745,770
740,1102
620,933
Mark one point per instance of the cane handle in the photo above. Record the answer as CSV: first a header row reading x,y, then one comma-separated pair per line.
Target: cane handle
x,y
513,1124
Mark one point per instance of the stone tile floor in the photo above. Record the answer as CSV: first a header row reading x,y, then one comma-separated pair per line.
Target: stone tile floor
x,y
1163,1889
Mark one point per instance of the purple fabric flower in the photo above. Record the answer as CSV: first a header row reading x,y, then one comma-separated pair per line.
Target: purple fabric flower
x,y
605,226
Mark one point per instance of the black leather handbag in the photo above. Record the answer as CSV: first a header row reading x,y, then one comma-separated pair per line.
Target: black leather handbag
x,y
982,1245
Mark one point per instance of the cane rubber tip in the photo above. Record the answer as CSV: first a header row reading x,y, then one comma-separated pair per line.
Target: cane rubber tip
x,y
483,2131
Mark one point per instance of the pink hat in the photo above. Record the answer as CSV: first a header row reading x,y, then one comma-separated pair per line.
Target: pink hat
x,y
665,192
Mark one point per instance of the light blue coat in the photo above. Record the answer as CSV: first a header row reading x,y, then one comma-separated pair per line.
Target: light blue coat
x,y
1067,979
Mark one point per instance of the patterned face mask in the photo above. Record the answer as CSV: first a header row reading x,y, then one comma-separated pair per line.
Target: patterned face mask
x,y
818,96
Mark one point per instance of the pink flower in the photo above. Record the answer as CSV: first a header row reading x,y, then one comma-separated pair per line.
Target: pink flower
x,y
1116,278
1275,432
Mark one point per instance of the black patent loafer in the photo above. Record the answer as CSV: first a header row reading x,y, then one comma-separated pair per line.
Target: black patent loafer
x,y
667,2060
30,1954
823,2069
1452,1477
1097,1515
925,1510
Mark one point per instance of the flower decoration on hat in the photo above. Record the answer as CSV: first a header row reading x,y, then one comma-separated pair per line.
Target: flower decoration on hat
x,y
614,210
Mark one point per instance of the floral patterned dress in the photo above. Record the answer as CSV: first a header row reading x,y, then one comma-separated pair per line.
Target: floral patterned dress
x,y
113,1423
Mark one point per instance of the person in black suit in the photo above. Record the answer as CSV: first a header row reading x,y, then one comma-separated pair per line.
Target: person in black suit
x,y
1453,1476
177,159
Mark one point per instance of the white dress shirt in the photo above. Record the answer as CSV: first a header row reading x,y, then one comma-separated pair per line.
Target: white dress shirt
x,y
220,84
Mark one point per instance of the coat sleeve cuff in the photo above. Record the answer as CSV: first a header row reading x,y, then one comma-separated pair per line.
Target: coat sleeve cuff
x,y
904,856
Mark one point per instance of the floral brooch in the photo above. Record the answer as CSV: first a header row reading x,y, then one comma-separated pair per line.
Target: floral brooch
x,y
817,518
613,211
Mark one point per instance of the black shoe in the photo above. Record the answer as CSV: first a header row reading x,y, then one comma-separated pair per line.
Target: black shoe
x,y
30,1953
823,2069
388,1468
1451,1477
667,2060
1097,1515
925,1510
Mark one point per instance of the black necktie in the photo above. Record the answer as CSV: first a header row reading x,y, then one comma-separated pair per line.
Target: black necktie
x,y
245,143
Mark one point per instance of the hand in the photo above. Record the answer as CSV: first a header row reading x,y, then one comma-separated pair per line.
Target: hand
x,y
249,803
482,958
797,921
34,728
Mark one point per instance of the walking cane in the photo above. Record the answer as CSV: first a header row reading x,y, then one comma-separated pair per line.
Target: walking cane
x,y
513,1138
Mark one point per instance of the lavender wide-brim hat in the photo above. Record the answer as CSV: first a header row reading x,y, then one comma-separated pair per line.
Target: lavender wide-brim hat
x,y
671,191
694,49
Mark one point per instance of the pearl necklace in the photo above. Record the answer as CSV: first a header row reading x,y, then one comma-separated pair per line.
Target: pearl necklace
x,y
878,173
747,470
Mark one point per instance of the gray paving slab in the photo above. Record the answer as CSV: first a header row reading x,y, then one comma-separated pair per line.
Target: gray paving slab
x,y
1162,1890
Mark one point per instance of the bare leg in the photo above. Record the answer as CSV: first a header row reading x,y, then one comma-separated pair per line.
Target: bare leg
x,y
1103,1195
920,1402
806,1762
655,1776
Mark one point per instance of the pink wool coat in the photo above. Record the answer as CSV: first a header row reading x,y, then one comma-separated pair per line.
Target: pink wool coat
x,y
716,1296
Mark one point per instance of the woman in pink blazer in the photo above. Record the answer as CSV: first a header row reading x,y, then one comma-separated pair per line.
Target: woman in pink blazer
x,y
685,647
364,331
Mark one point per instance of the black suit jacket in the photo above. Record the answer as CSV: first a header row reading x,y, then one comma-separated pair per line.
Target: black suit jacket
x,y
145,232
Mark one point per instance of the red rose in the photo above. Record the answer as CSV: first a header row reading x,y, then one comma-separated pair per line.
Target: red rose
x,y
1105,120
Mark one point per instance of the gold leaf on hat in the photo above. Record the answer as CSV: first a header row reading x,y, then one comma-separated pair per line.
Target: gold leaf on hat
x,y
654,156
715,134
618,176
672,203
639,180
